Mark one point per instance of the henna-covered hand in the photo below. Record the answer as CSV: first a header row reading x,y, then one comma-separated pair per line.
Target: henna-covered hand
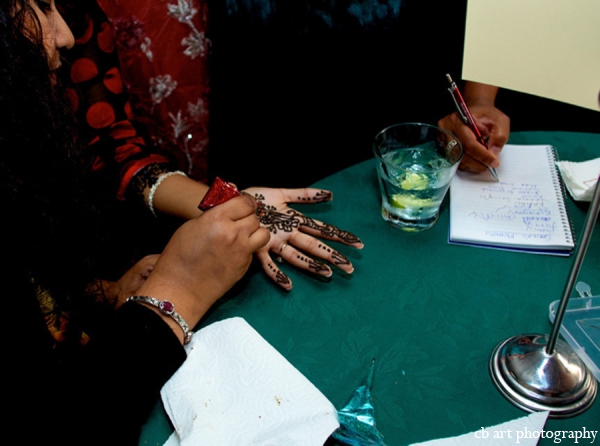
x,y
294,235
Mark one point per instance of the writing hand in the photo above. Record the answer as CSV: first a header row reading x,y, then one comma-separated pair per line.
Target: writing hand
x,y
493,125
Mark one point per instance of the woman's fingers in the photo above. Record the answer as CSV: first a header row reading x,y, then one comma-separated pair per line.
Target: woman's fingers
x,y
317,228
291,220
272,270
303,260
304,252
305,248
307,195
295,238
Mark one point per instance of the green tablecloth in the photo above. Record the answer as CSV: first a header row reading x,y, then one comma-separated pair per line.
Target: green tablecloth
x,y
429,313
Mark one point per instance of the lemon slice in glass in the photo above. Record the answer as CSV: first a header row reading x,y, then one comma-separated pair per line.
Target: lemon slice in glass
x,y
402,201
414,181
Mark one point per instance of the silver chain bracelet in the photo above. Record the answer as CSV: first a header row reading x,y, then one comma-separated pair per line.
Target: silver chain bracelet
x,y
168,309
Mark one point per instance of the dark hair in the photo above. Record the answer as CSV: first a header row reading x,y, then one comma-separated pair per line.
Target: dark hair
x,y
52,218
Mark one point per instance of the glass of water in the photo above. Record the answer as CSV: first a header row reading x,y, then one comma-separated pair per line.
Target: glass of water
x,y
415,163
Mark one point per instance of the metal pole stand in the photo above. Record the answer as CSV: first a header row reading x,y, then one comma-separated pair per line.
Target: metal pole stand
x,y
543,373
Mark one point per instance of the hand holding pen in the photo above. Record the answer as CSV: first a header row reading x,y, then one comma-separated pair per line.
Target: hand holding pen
x,y
484,142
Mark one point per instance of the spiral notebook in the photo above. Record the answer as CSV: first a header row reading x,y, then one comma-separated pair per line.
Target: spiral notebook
x,y
525,211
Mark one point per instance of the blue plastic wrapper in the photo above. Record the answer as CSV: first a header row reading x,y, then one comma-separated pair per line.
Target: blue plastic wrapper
x,y
357,418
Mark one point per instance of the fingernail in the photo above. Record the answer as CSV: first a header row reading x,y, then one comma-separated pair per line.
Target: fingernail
x,y
496,150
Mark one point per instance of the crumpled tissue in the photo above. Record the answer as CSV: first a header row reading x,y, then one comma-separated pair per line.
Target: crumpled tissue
x,y
236,389
580,178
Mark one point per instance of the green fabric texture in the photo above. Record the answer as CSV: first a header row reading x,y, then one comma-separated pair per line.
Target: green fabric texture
x,y
430,313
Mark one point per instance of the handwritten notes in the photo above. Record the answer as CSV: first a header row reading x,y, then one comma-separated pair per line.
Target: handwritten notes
x,y
525,211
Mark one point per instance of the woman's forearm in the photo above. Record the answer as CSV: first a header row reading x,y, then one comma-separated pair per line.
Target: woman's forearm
x,y
177,195
480,94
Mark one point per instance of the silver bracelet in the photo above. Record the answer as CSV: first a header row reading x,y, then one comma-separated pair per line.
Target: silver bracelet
x,y
168,309
159,180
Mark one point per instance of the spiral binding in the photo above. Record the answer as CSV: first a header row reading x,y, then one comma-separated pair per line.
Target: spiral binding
x,y
559,187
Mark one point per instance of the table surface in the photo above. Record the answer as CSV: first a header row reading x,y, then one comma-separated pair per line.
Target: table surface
x,y
429,313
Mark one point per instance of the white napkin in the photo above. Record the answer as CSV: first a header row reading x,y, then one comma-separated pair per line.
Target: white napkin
x,y
524,431
580,178
236,389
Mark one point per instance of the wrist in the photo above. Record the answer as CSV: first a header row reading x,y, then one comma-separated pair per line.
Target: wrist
x,y
166,308
480,94
178,196
163,176
188,304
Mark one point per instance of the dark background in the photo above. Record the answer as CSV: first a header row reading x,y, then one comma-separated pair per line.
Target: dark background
x,y
299,89
529,112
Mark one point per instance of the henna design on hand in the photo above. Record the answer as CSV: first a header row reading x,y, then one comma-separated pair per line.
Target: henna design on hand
x,y
338,258
320,197
262,210
276,221
280,278
313,265
325,229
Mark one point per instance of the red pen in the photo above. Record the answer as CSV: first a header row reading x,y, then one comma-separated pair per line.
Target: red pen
x,y
465,115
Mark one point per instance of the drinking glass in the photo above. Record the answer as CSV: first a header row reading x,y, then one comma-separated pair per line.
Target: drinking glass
x,y
415,164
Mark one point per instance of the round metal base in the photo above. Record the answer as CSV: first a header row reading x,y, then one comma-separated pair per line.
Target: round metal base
x,y
535,381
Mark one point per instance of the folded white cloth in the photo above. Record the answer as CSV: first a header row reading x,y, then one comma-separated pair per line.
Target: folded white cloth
x,y
236,389
580,178
524,431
